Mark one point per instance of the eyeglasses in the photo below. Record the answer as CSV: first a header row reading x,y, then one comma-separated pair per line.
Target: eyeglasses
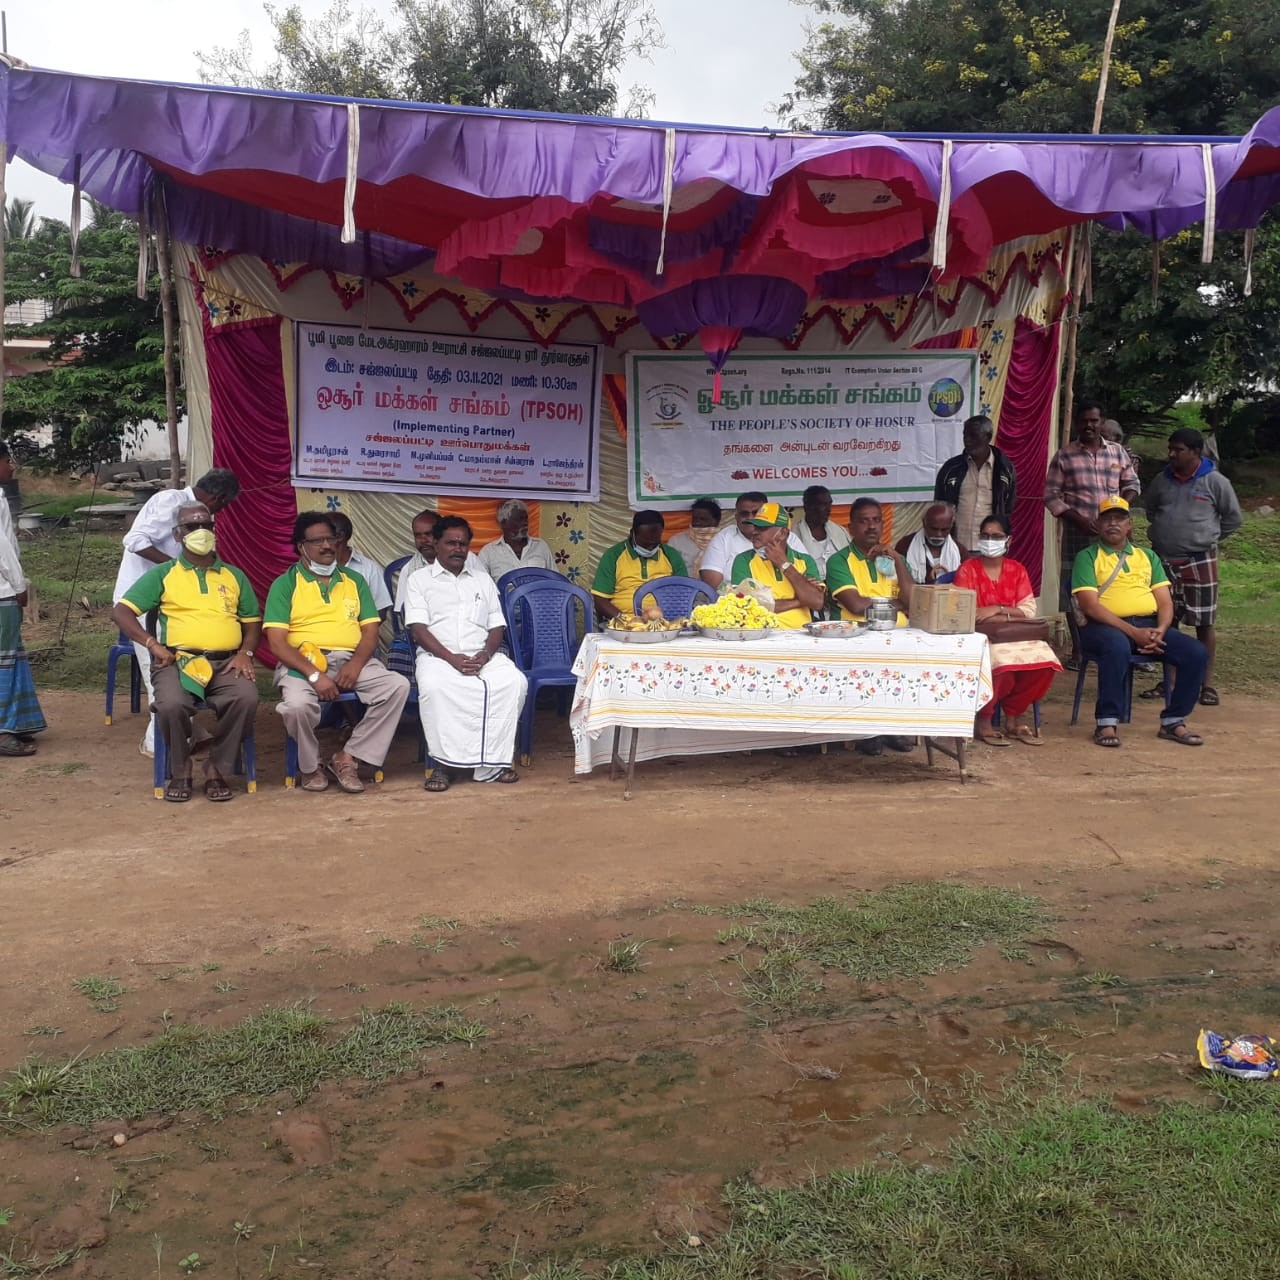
x,y
196,524
321,542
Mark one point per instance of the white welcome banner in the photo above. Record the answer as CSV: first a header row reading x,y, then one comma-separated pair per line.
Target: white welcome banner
x,y
875,424
385,409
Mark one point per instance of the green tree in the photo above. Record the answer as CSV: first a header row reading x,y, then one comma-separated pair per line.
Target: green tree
x,y
1179,67
19,219
106,356
541,55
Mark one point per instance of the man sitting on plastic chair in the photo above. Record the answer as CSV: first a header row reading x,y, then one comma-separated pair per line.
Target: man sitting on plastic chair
x,y
1123,594
208,624
469,694
323,629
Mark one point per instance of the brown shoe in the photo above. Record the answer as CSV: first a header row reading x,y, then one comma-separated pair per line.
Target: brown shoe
x,y
315,781
346,774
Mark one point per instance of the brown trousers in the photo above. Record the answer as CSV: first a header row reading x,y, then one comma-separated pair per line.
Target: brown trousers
x,y
233,699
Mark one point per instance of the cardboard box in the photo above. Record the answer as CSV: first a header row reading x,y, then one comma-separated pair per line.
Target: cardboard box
x,y
943,611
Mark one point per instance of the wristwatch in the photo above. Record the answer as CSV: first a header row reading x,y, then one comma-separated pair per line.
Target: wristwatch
x,y
313,678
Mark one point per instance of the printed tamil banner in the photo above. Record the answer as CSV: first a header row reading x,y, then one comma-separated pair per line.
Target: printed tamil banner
x,y
875,424
393,410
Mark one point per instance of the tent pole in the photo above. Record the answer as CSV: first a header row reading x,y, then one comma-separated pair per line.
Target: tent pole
x,y
165,264
1077,276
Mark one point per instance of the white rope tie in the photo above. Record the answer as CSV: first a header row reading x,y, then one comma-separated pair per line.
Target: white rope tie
x,y
1210,202
1248,262
944,212
353,164
668,186
75,221
144,252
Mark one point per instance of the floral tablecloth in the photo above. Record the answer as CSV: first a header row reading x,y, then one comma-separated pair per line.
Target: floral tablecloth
x,y
695,696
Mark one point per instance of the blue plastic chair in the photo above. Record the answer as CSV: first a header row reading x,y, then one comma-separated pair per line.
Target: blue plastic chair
x,y
246,760
674,595
545,615
329,717
506,584
1135,660
123,648
390,576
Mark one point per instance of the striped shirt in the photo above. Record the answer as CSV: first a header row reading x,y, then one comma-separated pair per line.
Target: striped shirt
x,y
1078,478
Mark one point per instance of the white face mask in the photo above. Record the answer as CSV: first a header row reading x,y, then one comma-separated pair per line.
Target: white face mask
x,y
322,570
645,553
992,547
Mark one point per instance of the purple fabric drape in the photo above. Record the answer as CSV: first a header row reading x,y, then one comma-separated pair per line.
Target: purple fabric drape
x,y
1026,415
251,438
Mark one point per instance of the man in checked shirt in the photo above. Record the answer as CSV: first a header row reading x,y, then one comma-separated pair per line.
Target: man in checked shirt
x,y
1082,473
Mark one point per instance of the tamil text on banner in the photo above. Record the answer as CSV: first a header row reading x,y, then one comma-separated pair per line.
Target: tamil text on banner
x,y
477,417
876,424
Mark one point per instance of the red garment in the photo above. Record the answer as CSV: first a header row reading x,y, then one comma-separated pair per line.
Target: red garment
x,y
1009,590
1014,689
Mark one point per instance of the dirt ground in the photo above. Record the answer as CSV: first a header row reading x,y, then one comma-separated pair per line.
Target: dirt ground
x,y
603,1109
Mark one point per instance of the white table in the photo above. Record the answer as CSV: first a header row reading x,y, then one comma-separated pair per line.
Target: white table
x,y
696,696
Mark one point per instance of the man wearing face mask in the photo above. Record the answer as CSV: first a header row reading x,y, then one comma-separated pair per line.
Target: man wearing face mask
x,y
323,629
151,541
932,551
207,625
515,549
734,539
637,559
704,524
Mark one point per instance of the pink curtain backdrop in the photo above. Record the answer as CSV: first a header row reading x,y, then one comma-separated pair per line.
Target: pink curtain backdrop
x,y
1026,416
251,438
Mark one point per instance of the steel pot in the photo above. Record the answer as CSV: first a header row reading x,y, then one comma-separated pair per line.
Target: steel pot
x,y
881,615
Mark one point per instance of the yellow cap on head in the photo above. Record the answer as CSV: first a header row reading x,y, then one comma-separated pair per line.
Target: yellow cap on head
x,y
1113,503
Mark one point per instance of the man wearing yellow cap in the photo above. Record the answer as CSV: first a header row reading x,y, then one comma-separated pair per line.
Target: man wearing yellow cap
x,y
1123,593
207,626
792,576
322,625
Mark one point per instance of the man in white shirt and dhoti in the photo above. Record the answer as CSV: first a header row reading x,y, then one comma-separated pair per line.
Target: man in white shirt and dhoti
x,y
469,694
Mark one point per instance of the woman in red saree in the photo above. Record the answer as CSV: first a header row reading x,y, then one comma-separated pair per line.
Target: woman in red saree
x,y
1021,672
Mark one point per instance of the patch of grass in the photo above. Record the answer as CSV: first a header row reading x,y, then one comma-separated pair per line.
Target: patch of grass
x,y
623,957
194,1068
103,993
1066,1190
904,931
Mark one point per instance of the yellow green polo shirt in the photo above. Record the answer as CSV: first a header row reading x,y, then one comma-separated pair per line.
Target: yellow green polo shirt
x,y
328,612
750,565
195,608
621,571
1130,595
850,568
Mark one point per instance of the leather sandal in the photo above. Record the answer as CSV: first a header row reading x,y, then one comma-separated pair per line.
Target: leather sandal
x,y
1105,735
1180,734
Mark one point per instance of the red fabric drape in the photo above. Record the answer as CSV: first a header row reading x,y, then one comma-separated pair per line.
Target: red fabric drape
x,y
251,438
1023,433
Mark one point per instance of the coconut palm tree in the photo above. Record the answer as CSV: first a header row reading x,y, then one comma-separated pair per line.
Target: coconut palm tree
x,y
19,219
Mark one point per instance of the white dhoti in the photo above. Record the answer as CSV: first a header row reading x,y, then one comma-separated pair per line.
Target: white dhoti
x,y
470,722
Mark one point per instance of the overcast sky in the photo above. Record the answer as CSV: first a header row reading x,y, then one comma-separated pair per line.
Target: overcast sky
x,y
725,61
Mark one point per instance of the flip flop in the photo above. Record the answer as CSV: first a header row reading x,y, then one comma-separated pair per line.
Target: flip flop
x,y
1026,737
993,738
178,791
1209,696
1185,739
1111,740
437,782
216,789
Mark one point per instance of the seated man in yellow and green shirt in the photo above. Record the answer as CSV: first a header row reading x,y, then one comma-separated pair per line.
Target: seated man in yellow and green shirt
x,y
1123,593
322,625
637,559
792,576
207,627
869,569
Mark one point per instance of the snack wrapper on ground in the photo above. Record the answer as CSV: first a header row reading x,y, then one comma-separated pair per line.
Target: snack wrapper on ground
x,y
1245,1057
